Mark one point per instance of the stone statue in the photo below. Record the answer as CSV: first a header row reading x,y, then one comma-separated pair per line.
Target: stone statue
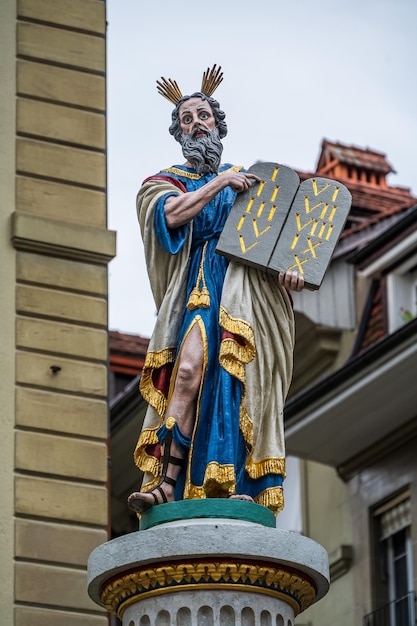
x,y
219,362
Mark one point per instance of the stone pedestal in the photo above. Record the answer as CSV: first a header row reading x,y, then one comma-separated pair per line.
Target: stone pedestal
x,y
208,562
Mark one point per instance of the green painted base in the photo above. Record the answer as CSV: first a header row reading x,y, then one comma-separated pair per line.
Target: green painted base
x,y
207,508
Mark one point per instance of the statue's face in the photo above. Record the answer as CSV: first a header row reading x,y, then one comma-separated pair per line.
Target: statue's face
x,y
196,117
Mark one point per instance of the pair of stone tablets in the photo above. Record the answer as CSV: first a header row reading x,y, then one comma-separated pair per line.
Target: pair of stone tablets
x,y
280,225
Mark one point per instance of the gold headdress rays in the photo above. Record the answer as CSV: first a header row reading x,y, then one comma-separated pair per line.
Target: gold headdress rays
x,y
211,80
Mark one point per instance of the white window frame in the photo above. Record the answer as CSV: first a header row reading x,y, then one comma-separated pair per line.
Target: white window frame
x,y
401,294
399,281
393,599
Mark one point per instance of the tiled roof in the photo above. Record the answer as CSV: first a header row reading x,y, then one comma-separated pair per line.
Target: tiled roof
x,y
365,158
373,199
127,352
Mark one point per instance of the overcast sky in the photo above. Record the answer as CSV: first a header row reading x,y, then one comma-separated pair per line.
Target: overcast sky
x,y
295,72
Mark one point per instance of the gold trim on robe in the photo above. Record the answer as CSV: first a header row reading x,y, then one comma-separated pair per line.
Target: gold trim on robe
x,y
272,498
178,171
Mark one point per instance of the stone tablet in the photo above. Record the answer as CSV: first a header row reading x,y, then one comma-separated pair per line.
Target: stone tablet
x,y
312,229
258,215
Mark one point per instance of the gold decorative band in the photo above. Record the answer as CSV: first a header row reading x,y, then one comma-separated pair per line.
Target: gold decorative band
x,y
183,173
193,176
288,586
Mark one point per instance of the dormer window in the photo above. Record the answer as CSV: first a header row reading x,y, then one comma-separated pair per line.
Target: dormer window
x,y
402,295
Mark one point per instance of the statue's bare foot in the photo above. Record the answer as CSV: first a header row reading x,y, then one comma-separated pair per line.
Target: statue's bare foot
x,y
241,497
142,501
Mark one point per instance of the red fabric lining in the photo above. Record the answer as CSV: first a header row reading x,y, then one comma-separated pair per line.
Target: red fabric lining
x,y
228,335
154,450
161,378
167,179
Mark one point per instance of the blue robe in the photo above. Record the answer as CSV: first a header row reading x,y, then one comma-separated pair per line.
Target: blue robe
x,y
218,452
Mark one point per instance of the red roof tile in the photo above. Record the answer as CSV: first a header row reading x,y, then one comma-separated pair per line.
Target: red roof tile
x,y
372,198
127,352
365,158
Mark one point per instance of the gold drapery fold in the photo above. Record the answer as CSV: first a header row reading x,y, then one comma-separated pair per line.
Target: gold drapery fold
x,y
144,461
233,357
218,479
272,498
152,395
231,350
246,426
258,469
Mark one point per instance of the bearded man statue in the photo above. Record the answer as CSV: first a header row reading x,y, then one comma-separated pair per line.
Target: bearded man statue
x,y
219,362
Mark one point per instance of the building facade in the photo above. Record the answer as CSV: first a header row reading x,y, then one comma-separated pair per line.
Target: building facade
x,y
354,424
54,251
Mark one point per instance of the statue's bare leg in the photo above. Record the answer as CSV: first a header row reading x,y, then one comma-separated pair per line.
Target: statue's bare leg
x,y
181,407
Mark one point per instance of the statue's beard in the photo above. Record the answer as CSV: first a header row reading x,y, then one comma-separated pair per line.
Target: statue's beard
x,y
204,153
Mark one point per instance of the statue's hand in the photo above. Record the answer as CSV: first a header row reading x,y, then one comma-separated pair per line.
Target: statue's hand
x,y
291,280
241,181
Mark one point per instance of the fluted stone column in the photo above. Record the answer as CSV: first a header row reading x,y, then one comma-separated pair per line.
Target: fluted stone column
x,y
208,562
